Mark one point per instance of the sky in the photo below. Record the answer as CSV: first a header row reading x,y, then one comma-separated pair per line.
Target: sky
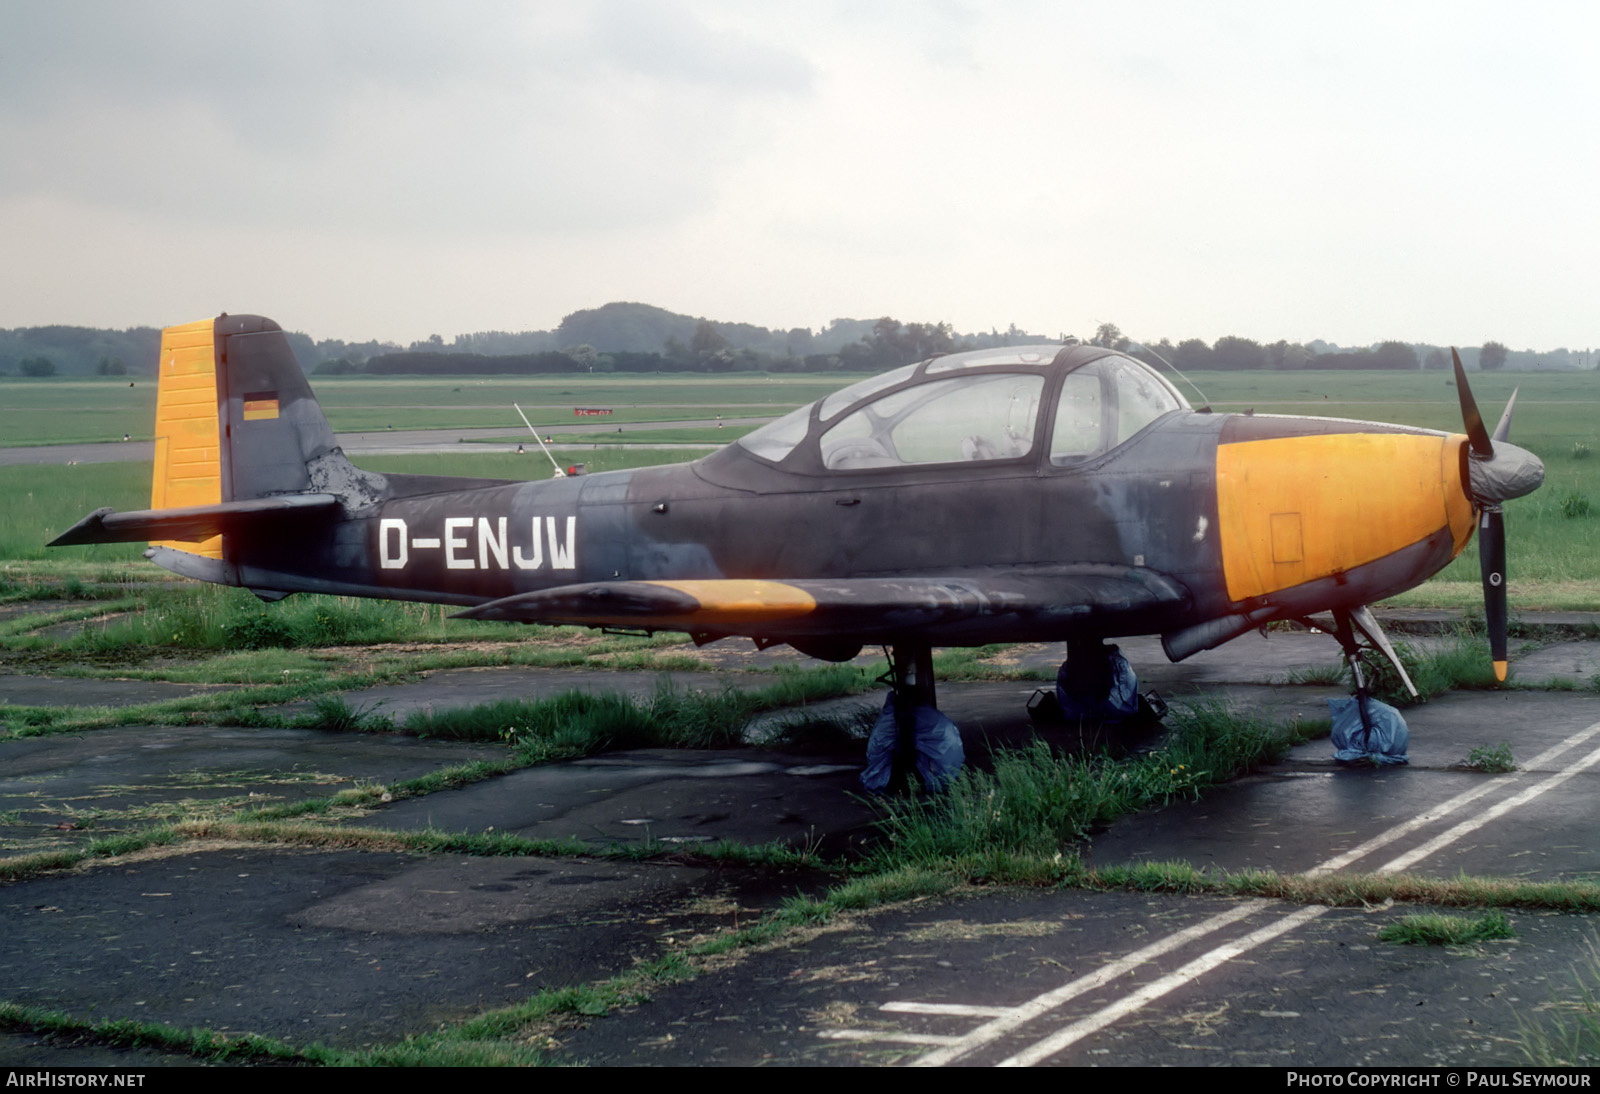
x,y
1353,172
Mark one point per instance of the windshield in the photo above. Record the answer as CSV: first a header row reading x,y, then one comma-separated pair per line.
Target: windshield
x,y
982,417
775,440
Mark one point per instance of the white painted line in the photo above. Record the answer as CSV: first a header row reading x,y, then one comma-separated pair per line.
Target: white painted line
x,y
1077,1031
1041,1005
1439,812
884,1035
962,1009
992,1031
1396,865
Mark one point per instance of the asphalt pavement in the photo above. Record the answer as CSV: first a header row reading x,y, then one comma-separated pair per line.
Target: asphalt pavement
x,y
353,947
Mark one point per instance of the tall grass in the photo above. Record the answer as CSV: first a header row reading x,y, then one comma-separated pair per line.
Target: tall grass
x,y
40,501
1463,663
1435,929
213,617
581,723
1569,1034
1037,802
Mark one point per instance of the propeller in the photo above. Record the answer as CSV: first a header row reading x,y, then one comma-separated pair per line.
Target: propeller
x,y
1497,471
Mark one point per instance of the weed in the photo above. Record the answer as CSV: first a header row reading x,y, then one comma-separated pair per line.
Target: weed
x,y
583,723
841,731
1571,1035
1447,930
1461,664
1037,801
1574,504
333,712
1317,676
259,632
1491,759
200,1043
1154,877
1581,450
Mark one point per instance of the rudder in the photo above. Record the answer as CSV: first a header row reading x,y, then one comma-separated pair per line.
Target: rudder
x,y
188,457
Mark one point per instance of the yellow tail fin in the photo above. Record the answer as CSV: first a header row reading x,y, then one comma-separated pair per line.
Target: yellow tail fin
x,y
188,464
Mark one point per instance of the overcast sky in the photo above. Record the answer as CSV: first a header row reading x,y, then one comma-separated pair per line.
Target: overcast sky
x,y
1350,171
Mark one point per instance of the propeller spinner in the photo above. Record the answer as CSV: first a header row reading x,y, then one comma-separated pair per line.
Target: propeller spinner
x,y
1497,471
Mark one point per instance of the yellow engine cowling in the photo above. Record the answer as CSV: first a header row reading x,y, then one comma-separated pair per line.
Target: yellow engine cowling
x,y
1295,509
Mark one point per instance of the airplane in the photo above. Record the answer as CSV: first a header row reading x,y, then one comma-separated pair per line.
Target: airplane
x,y
1024,494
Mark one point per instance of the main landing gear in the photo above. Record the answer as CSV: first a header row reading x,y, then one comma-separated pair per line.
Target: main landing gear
x,y
911,736
1096,689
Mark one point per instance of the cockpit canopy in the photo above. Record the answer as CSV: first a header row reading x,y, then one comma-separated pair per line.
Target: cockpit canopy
x,y
987,405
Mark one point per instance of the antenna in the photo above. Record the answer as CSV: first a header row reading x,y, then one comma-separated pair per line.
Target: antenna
x,y
1140,345
560,474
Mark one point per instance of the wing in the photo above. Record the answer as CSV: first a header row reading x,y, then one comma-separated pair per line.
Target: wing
x,y
975,607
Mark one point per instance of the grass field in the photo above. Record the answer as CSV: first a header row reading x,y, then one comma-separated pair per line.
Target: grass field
x,y
40,501
70,411
1551,535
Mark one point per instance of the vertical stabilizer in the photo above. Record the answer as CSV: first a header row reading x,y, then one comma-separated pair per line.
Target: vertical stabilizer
x,y
236,421
276,440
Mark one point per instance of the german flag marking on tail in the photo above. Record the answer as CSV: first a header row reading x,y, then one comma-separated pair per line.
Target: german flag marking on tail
x,y
260,405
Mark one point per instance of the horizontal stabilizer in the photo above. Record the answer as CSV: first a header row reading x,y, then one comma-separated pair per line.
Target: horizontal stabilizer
x,y
194,523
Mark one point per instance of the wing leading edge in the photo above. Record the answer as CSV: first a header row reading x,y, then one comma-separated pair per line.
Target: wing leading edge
x,y
866,609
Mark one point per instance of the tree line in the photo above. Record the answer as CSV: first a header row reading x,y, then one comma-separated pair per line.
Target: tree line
x,y
1231,353
631,337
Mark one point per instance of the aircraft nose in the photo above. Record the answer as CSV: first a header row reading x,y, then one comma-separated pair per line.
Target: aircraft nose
x,y
1510,473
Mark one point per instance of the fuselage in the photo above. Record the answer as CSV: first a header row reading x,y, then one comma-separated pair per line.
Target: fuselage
x,y
1256,516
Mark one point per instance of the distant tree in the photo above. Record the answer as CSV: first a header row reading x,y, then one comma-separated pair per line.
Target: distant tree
x,y
1436,359
585,355
1492,356
1156,355
1345,359
1284,354
1394,355
37,366
1237,353
1191,353
675,351
859,355
923,340
706,341
111,366
1109,336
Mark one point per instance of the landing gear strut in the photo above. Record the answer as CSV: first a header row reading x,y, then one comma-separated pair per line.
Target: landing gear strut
x,y
911,678
1096,686
1389,745
911,736
1355,661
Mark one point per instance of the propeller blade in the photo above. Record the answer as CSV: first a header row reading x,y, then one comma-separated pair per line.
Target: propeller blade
x,y
1502,432
1492,560
1476,434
